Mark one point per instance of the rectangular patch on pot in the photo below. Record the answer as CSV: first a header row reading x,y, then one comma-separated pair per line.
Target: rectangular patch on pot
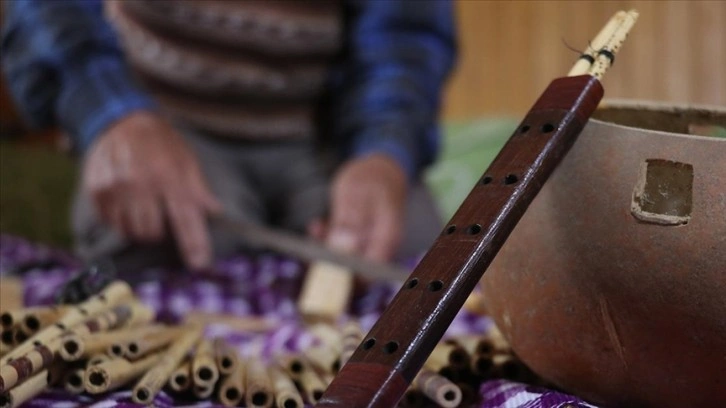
x,y
663,193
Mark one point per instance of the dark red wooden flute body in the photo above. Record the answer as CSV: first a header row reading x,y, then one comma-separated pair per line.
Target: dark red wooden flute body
x,y
397,346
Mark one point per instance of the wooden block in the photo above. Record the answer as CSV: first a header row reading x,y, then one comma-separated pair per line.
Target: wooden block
x,y
326,292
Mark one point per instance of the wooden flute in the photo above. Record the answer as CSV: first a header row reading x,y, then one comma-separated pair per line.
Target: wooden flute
x,y
391,354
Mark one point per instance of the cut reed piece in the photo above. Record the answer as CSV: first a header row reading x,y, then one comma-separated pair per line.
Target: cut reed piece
x,y
286,394
25,391
232,389
448,355
606,54
152,381
583,64
32,319
73,381
115,373
438,389
181,378
322,358
150,342
97,359
203,391
204,368
311,384
76,347
258,387
326,292
115,293
352,336
27,365
227,358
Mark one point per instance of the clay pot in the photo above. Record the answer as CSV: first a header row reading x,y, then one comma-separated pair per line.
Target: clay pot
x,y
613,285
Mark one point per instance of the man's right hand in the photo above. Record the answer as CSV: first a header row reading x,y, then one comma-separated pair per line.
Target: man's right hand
x,y
144,178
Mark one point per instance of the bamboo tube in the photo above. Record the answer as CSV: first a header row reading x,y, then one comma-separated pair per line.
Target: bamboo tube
x,y
151,383
25,391
41,317
292,364
232,389
583,64
112,374
114,294
203,391
438,389
352,337
204,368
606,53
153,341
311,384
445,355
180,379
26,366
226,358
323,358
75,347
97,359
286,394
258,387
73,381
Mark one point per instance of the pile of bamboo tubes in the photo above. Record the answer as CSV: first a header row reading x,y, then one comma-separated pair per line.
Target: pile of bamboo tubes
x,y
111,341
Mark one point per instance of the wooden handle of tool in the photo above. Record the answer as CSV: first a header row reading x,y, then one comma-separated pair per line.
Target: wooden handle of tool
x,y
391,354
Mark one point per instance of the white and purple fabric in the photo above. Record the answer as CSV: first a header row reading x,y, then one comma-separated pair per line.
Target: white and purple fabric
x,y
264,285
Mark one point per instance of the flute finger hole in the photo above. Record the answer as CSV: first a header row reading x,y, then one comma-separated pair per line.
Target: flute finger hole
x,y
412,283
511,179
473,229
450,230
368,344
390,347
547,128
435,286
524,129
486,180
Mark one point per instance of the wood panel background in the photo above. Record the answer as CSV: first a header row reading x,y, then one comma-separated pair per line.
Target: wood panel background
x,y
511,50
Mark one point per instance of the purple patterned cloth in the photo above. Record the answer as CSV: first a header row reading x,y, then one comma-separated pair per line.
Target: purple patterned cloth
x,y
264,285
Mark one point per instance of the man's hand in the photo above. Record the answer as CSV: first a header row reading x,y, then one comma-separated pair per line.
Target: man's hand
x,y
367,204
141,175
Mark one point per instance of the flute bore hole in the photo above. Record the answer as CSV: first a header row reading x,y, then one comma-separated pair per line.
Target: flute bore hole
x,y
524,129
458,357
511,179
116,350
368,344
290,403
5,400
259,398
232,394
473,229
483,364
390,347
449,395
205,374
296,367
547,128
412,283
226,362
20,337
6,319
181,380
486,180
317,394
32,322
142,394
96,378
133,348
435,286
7,337
71,347
75,380
450,229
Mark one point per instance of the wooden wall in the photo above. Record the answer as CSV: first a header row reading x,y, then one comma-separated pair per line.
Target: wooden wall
x,y
511,50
